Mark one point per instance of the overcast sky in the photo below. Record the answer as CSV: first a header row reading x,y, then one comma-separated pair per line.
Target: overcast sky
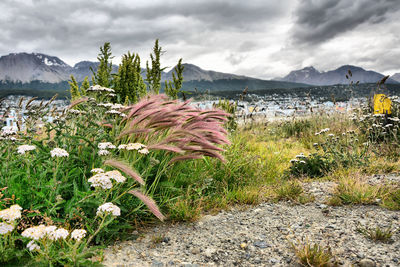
x,y
258,38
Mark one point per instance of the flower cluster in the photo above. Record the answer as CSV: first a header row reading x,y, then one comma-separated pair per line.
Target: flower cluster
x,y
58,152
9,130
134,146
5,228
103,179
98,88
78,234
108,208
322,131
103,148
11,214
24,148
32,246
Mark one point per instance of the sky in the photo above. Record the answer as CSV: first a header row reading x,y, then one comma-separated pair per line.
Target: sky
x,y
257,38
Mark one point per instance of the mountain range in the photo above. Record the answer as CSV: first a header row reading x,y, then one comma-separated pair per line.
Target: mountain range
x,y
28,67
310,75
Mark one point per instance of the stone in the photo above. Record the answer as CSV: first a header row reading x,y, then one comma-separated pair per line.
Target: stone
x,y
261,244
366,263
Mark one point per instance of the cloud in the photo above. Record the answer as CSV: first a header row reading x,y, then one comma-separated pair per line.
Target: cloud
x,y
319,21
258,38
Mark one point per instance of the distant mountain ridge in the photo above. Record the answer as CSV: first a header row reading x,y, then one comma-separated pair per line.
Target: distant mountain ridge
x,y
32,70
37,71
310,75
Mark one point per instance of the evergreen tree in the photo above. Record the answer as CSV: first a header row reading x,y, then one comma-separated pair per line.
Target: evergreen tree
x,y
173,88
154,73
74,88
85,85
128,83
103,75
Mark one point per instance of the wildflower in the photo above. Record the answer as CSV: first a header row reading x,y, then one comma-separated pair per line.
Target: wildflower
x,y
143,151
106,145
324,130
331,135
123,115
117,106
75,111
78,234
106,105
58,152
108,208
301,155
394,119
317,133
35,232
6,228
293,161
60,233
23,148
113,112
97,170
122,147
11,214
100,180
134,146
302,161
50,229
116,176
32,246
315,144
98,88
103,152
9,130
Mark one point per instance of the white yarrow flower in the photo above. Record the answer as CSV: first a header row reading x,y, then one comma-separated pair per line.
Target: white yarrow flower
x,y
103,152
116,176
97,170
100,180
24,148
143,151
11,214
35,232
135,146
59,152
78,234
6,228
60,233
105,145
108,208
32,246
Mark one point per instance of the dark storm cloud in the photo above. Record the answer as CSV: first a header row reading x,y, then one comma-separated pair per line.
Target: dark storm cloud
x,y
79,26
318,21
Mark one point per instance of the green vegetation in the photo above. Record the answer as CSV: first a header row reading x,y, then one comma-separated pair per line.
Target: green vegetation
x,y
377,233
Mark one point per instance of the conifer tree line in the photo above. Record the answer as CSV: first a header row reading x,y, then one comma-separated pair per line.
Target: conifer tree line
x,y
128,82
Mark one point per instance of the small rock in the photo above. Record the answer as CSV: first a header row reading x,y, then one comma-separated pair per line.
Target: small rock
x,y
273,260
156,263
366,263
195,250
261,244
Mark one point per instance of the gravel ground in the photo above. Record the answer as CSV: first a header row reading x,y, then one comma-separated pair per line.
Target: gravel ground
x,y
262,236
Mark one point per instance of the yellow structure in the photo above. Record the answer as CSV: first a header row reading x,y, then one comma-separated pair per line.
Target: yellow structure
x,y
382,104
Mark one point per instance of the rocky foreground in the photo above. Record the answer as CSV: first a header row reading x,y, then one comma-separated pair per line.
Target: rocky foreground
x,y
263,236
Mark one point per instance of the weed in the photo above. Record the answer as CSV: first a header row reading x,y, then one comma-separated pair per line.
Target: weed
x,y
291,191
313,254
376,234
354,191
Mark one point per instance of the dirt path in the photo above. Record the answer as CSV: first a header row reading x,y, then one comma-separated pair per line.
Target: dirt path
x,y
261,236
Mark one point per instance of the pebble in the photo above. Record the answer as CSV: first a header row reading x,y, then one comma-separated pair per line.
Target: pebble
x,y
367,263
